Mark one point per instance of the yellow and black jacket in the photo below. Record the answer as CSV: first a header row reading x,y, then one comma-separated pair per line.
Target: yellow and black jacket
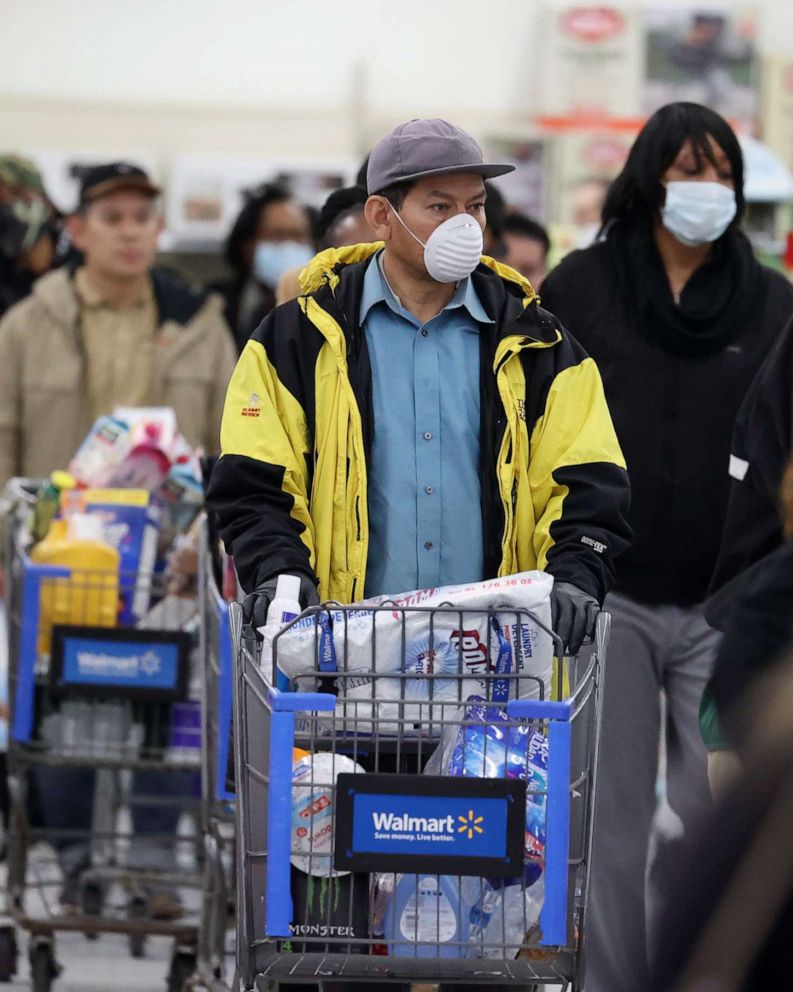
x,y
290,489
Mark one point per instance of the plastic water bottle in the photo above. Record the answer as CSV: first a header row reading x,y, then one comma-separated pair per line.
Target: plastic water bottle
x,y
76,727
111,723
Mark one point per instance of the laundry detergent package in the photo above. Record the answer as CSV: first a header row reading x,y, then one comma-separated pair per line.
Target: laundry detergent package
x,y
401,667
425,918
131,525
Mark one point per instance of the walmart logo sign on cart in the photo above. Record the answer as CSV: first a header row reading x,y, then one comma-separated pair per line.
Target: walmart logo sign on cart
x,y
88,662
392,825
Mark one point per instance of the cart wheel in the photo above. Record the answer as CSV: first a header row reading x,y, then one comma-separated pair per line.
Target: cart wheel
x,y
8,954
183,966
92,904
43,967
137,911
92,899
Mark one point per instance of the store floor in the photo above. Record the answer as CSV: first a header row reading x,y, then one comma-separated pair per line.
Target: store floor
x,y
100,965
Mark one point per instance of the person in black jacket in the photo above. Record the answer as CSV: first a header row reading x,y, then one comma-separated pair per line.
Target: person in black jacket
x,y
755,611
726,923
678,315
29,229
762,443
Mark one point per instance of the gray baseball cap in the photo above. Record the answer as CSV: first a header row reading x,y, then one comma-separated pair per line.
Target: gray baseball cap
x,y
426,148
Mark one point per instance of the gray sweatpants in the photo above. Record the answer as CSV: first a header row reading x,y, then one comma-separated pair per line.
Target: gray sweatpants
x,y
653,650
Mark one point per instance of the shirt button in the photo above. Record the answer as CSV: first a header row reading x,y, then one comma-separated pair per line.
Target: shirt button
x,y
428,545
429,490
424,332
427,435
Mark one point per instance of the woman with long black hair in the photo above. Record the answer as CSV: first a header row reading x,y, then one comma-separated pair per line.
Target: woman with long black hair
x,y
678,314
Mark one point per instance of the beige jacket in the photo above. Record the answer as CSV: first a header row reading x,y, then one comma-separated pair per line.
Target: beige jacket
x,y
44,407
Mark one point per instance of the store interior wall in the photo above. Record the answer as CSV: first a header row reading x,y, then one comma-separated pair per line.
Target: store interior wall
x,y
302,77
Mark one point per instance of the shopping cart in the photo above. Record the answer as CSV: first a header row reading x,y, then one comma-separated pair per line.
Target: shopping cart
x,y
386,867
100,702
217,915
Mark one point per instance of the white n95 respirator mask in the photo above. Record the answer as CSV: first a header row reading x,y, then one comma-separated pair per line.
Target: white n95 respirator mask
x,y
454,248
698,213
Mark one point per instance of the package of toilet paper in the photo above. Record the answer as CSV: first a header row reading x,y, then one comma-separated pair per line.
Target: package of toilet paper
x,y
402,662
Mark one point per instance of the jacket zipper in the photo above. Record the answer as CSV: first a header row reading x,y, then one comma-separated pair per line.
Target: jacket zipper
x,y
507,444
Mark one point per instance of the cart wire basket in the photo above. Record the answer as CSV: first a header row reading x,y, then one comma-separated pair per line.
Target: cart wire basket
x,y
416,804
100,718
215,962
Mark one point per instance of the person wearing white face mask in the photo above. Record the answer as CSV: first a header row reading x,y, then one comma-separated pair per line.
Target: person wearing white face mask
x,y
271,234
444,353
672,304
414,418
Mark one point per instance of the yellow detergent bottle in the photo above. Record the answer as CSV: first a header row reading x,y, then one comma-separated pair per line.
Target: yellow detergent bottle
x,y
90,596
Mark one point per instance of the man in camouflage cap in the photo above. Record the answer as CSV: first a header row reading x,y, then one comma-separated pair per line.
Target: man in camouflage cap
x,y
28,229
20,173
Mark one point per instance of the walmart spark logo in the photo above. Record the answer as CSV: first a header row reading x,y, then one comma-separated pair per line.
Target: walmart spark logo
x,y
470,824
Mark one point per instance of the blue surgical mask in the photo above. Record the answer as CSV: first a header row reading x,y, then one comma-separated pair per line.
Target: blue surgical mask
x,y
272,258
698,212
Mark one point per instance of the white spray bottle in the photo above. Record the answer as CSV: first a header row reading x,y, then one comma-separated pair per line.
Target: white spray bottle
x,y
284,607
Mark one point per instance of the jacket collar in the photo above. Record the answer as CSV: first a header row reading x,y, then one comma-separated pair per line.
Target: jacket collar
x,y
176,300
509,299
376,289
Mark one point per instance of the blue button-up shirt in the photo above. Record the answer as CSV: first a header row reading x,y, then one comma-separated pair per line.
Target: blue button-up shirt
x,y
425,519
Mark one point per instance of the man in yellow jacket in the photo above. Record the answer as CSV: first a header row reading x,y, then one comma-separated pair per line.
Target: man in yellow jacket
x,y
415,419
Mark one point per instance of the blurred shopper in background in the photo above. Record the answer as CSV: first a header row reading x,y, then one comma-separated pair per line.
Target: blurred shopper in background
x,y
271,235
115,331
586,208
494,228
29,229
726,923
762,444
527,246
755,611
341,223
673,306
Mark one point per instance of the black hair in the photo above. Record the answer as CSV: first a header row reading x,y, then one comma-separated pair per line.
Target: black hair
x,y
396,192
637,194
312,213
496,210
360,178
525,227
340,203
247,222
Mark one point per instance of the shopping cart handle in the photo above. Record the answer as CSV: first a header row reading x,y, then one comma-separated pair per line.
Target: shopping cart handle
x,y
300,702
539,709
46,571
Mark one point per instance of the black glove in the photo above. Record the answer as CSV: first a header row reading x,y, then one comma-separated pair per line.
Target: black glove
x,y
573,615
256,605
